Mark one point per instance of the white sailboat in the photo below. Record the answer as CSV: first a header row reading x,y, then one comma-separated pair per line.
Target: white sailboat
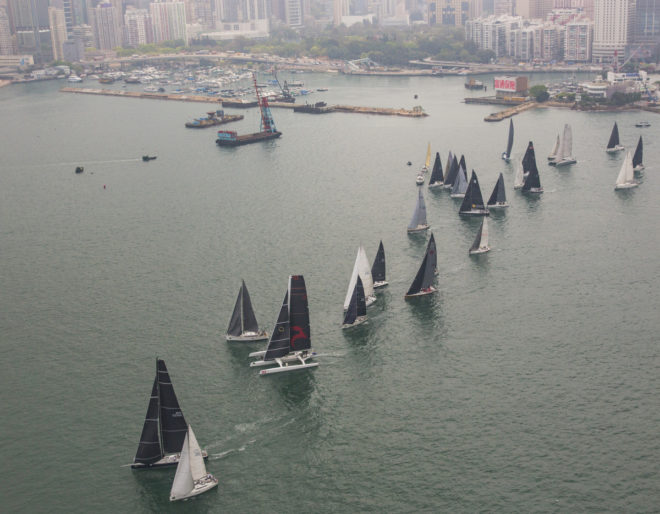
x,y
626,177
418,222
553,154
480,244
191,477
564,155
362,269
519,178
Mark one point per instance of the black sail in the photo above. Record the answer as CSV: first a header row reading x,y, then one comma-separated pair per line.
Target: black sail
x,y
639,151
461,164
509,144
473,199
436,174
614,137
433,254
529,159
300,337
477,240
249,319
235,328
425,274
358,305
149,449
532,181
453,171
378,267
450,159
498,195
278,345
173,425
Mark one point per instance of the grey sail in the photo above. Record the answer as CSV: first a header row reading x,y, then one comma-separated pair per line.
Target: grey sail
x,y
278,344
424,278
419,215
433,254
249,319
477,240
173,425
639,151
452,172
460,184
378,268
358,305
149,449
235,328
498,196
450,159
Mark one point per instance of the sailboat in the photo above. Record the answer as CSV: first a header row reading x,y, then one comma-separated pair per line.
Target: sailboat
x,y
437,178
553,154
529,159
480,244
509,145
626,177
532,183
423,282
519,177
450,159
427,161
191,477
243,323
473,203
460,184
290,344
564,155
418,222
378,268
433,254
356,314
164,427
452,171
613,145
497,198
362,270
638,156
419,179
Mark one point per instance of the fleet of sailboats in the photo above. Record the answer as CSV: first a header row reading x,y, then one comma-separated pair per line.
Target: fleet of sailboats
x,y
191,478
243,324
506,155
626,177
613,145
480,244
564,154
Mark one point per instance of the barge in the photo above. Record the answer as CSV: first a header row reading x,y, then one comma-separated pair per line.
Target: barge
x,y
214,118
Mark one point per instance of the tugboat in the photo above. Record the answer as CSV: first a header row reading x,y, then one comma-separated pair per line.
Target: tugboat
x,y
268,130
147,158
214,118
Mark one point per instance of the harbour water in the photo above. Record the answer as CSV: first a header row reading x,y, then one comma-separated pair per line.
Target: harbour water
x,y
528,383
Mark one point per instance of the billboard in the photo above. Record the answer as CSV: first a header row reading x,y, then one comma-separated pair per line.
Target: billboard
x,y
505,84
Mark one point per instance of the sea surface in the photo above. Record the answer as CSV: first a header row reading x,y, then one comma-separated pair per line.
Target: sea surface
x,y
529,383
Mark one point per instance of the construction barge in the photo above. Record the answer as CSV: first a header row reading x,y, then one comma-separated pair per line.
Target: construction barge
x,y
317,108
214,118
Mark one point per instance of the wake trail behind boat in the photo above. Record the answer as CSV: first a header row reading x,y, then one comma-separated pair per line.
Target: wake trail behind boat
x,y
82,163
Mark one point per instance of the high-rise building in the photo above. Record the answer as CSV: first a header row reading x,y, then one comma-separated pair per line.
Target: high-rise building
x,y
507,7
613,29
451,12
137,23
6,39
168,20
293,10
58,36
647,22
106,27
32,28
577,40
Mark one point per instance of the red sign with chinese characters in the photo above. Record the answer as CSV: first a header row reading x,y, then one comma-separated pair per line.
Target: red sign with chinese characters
x,y
505,84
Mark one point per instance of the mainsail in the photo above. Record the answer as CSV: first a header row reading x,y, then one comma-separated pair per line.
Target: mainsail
x,y
419,215
460,184
473,201
299,334
638,157
242,318
480,243
357,306
183,479
436,174
452,171
567,143
173,426
378,267
149,450
498,196
553,154
278,345
362,270
529,159
614,137
509,144
532,181
433,254
424,278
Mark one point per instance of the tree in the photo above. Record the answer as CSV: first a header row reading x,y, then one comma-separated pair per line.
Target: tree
x,y
539,93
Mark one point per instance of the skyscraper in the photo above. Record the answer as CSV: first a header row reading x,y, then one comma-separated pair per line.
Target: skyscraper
x,y
106,28
6,40
138,27
32,29
57,20
168,20
647,22
613,24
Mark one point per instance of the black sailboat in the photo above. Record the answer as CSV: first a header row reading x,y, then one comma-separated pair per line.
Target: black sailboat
x,y
437,178
243,324
509,145
452,171
473,202
613,145
529,159
480,244
498,196
433,254
356,313
378,268
639,156
290,344
423,282
164,425
532,183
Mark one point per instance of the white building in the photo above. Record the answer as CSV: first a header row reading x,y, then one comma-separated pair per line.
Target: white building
x,y
106,27
578,38
613,23
168,21
137,23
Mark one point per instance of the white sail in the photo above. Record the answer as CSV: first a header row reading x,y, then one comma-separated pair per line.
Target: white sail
x,y
183,480
567,142
484,235
626,173
362,268
561,151
553,154
519,179
197,467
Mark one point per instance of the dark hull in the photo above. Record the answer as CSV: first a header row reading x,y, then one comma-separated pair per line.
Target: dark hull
x,y
164,463
233,103
215,121
246,139
310,109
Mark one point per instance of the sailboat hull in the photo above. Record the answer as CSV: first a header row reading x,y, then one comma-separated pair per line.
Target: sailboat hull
x,y
615,149
636,169
203,485
628,185
534,190
419,180
358,321
380,284
288,367
475,212
418,228
505,157
249,336
292,357
457,195
168,460
499,205
423,292
479,250
563,162
436,185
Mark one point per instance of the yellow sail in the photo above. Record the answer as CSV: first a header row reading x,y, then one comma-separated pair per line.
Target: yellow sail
x,y
428,157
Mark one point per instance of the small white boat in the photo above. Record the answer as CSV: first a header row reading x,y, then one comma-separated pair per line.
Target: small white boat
x,y
642,124
613,145
191,478
243,324
74,78
480,244
419,179
626,177
418,222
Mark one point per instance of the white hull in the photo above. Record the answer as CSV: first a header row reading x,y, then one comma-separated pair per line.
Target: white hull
x,y
479,250
419,180
292,357
169,460
286,363
638,168
628,185
430,290
501,205
249,336
380,284
535,190
257,354
370,300
517,186
288,367
418,228
436,184
358,321
458,195
615,149
203,485
564,162
505,158
476,212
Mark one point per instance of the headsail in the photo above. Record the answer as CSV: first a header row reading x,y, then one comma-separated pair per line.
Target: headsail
x,y
149,450
480,243
436,174
567,142
424,278
614,137
460,184
498,196
427,161
360,269
235,323
529,159
473,201
519,177
553,154
532,182
299,334
638,157
452,172
509,144
172,423
278,345
433,254
357,306
249,319
378,267
197,467
183,479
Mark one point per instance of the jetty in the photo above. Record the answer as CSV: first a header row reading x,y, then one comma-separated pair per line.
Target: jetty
x,y
511,111
415,112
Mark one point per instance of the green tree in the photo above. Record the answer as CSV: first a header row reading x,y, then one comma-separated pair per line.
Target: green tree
x,y
539,93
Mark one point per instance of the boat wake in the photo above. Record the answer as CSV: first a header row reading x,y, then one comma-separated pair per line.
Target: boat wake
x,y
81,163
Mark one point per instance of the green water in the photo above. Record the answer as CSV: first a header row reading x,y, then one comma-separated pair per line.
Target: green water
x,y
528,383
